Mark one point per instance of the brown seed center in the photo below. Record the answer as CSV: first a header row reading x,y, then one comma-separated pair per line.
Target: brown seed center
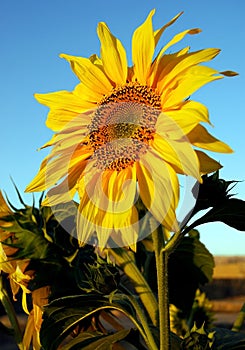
x,y
122,126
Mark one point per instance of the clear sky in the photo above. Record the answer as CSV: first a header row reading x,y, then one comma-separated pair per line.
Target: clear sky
x,y
34,33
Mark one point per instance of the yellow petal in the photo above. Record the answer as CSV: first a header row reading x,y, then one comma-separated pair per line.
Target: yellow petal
x,y
96,60
207,164
184,85
59,99
40,182
64,107
183,64
4,208
143,45
178,37
29,330
162,66
113,55
200,137
5,265
106,224
158,32
179,154
106,203
120,188
58,118
51,171
159,189
89,98
40,296
188,115
89,74
110,190
65,191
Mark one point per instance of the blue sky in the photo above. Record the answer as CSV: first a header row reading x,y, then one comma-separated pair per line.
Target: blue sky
x,y
33,34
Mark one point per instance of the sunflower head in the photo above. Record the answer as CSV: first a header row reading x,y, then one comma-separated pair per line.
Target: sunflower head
x,y
126,132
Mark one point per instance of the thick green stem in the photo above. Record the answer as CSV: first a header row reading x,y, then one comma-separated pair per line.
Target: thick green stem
x,y
8,306
126,262
162,284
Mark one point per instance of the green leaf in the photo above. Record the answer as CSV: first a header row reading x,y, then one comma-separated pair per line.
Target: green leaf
x,y
212,192
62,315
225,339
190,265
231,212
26,234
89,341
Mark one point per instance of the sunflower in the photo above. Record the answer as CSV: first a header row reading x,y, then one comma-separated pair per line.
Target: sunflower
x,y
125,133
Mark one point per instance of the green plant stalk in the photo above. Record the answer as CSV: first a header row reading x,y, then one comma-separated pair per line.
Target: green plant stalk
x,y
8,306
149,339
141,286
162,286
237,326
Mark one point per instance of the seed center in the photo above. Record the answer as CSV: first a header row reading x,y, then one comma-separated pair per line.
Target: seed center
x,y
123,125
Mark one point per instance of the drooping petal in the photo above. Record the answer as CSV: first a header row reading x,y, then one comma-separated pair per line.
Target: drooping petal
x,y
92,218
200,137
143,46
207,164
159,189
113,55
29,331
120,188
179,154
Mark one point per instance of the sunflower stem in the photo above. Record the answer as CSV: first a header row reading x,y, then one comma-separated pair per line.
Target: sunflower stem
x,y
162,285
127,263
8,306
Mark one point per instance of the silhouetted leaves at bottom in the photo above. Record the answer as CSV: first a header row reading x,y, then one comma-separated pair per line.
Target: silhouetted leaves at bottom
x,y
63,315
224,339
190,265
95,341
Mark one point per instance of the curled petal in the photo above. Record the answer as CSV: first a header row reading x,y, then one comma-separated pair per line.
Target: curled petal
x,y
159,189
